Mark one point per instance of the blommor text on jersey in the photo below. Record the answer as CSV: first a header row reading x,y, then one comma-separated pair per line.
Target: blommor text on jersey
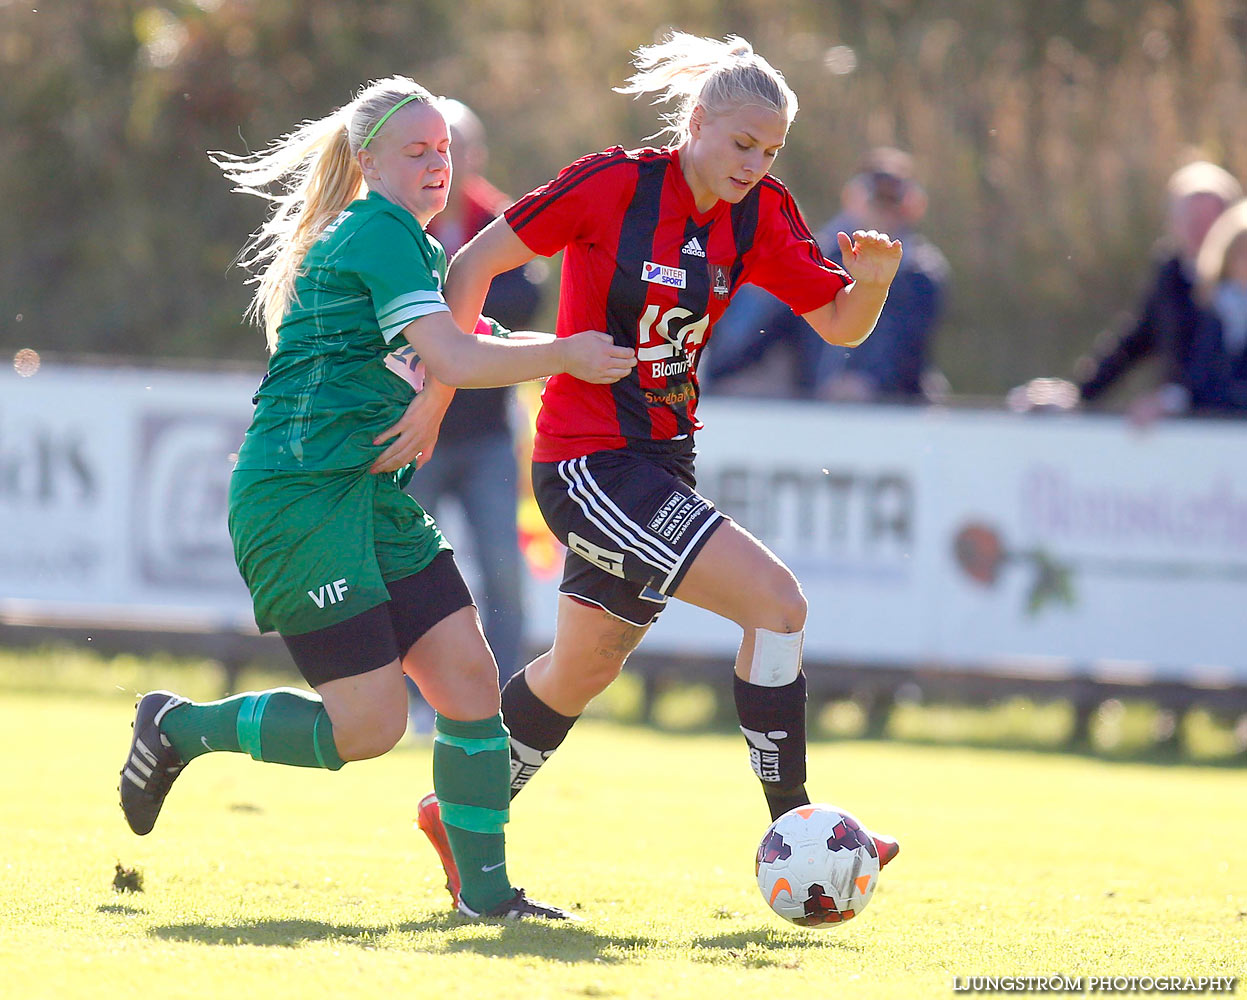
x,y
661,369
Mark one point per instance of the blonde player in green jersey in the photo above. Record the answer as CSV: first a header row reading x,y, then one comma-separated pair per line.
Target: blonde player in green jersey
x,y
346,567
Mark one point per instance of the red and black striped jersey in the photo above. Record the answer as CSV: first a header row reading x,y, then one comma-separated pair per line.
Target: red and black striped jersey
x,y
643,265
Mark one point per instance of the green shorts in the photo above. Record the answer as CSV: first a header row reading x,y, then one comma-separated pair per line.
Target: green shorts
x,y
317,548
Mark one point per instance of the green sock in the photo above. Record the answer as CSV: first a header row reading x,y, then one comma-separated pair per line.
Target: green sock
x,y
472,778
283,726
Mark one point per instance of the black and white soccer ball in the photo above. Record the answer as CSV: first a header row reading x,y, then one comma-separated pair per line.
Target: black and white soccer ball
x,y
817,866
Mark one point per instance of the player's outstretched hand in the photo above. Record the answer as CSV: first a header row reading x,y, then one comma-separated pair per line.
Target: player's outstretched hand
x,y
592,356
869,256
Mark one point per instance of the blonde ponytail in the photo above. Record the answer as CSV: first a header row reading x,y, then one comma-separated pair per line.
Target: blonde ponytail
x,y
718,75
310,175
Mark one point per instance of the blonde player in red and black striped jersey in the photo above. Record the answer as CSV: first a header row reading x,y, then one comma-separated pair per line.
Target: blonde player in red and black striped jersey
x,y
656,241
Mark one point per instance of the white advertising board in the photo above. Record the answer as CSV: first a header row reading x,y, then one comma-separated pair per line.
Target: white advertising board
x,y
112,495
1043,544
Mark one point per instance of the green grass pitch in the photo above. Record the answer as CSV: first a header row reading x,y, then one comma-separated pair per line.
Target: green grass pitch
x,y
264,881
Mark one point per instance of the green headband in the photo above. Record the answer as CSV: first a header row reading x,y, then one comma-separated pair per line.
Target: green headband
x,y
386,117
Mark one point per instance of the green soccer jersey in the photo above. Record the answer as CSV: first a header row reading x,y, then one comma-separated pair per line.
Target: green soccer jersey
x,y
329,390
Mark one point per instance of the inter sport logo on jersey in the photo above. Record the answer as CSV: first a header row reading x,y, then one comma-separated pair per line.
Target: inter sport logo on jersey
x,y
661,274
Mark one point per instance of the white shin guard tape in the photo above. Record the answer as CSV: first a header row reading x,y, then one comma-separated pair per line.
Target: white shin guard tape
x,y
776,657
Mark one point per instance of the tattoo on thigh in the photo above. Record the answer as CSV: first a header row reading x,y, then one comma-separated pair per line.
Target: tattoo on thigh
x,y
617,645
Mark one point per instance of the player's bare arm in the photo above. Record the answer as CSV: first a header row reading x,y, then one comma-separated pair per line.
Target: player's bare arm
x,y
492,251
473,361
480,362
871,259
413,438
467,283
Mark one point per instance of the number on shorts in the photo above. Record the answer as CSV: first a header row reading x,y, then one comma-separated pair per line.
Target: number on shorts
x,y
611,562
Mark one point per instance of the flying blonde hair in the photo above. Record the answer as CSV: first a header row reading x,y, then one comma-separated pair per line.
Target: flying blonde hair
x,y
309,175
717,75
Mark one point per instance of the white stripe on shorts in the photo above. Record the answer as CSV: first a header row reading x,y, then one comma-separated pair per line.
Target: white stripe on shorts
x,y
713,519
618,532
643,533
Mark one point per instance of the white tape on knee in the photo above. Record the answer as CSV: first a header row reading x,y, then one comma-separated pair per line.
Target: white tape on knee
x,y
776,657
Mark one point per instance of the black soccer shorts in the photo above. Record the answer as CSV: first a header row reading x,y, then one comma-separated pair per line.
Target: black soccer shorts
x,y
385,633
632,522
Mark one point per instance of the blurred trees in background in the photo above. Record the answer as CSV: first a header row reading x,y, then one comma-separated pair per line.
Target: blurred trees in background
x,y
1044,132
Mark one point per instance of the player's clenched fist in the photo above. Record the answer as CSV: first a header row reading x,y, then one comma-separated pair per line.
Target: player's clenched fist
x,y
592,356
869,256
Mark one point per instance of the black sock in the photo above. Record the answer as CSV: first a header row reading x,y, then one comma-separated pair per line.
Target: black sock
x,y
536,729
781,800
773,721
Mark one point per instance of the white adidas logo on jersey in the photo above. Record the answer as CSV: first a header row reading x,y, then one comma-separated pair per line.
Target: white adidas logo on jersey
x,y
693,248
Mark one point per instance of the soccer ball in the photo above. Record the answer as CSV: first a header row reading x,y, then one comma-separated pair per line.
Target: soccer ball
x,y
817,866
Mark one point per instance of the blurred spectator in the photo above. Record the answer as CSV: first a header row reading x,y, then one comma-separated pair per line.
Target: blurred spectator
x,y
474,463
893,362
1168,317
1217,369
